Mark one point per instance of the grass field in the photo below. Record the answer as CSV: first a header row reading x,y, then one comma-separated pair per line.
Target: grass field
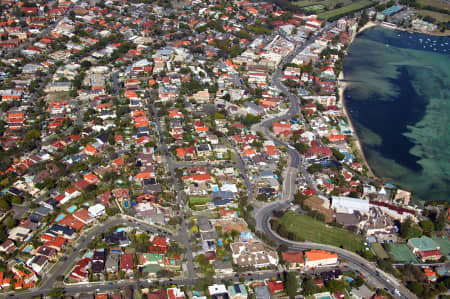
x,y
313,230
435,3
329,4
314,8
198,200
439,17
307,3
346,9
379,251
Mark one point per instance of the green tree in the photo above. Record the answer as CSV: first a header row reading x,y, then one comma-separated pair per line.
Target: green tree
x,y
309,287
405,227
416,288
427,225
4,205
440,221
335,285
10,222
337,154
315,168
358,282
291,284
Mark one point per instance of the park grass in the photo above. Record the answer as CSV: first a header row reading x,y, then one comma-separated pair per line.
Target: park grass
x,y
198,200
439,17
310,229
379,251
355,6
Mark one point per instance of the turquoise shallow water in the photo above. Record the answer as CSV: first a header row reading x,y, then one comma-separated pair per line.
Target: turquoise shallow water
x,y
398,98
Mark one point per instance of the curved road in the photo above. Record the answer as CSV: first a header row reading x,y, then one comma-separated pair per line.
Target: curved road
x,y
376,276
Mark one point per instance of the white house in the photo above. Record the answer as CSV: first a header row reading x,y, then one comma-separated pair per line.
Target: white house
x,y
96,210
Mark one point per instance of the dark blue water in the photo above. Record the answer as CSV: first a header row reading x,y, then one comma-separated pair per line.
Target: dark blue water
x,y
398,100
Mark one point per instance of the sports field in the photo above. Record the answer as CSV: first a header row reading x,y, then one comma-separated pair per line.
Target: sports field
x,y
402,254
310,229
355,6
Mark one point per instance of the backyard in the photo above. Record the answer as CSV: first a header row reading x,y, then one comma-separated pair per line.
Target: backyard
x,y
198,200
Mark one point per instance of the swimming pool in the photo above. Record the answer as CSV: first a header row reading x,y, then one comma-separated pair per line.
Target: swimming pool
x,y
60,217
72,209
28,249
120,229
89,254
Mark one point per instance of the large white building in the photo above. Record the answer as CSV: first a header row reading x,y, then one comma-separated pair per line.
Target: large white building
x,y
349,205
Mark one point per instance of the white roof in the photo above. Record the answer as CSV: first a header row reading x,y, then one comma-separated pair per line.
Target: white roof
x,y
348,205
98,208
217,289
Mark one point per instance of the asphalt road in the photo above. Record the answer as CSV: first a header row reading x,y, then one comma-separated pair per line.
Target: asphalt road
x,y
183,234
296,161
375,276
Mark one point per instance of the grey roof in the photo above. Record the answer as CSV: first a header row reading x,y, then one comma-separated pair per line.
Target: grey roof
x,y
42,211
227,195
346,219
262,292
204,224
222,265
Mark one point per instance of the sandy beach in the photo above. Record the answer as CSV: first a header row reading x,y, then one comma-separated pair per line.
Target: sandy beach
x,y
341,87
367,26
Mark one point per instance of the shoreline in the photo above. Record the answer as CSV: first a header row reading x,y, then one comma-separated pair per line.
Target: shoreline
x,y
368,25
341,88
443,34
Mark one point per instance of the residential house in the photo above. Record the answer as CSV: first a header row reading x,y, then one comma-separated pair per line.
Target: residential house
x,y
237,291
293,260
317,258
175,293
126,263
223,267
